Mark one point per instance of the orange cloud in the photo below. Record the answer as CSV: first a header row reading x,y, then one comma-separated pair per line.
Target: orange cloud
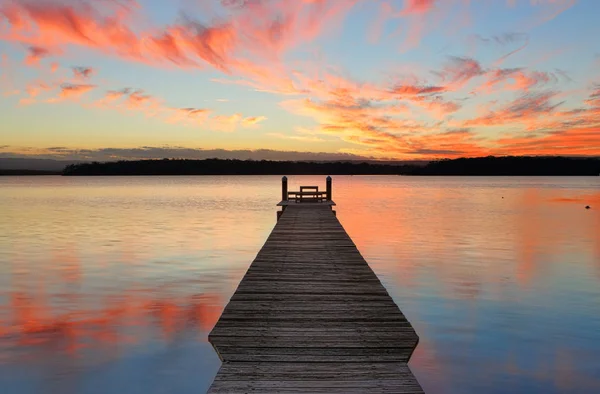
x,y
576,141
74,91
189,115
253,120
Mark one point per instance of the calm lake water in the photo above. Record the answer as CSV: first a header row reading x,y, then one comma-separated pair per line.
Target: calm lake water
x,y
111,284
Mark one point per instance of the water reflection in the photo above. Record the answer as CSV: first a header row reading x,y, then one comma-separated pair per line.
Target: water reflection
x,y
112,284
30,322
494,276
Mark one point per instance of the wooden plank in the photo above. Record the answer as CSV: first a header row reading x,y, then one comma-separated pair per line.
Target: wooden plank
x,y
311,316
354,371
314,355
308,297
313,332
323,324
327,342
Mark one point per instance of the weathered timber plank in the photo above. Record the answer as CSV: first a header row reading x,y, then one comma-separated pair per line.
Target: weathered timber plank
x,y
341,371
314,332
234,324
309,297
316,317
316,355
325,303
316,309
346,342
316,387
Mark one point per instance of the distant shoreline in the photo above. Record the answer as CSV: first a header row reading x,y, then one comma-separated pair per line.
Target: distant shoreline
x,y
28,173
482,166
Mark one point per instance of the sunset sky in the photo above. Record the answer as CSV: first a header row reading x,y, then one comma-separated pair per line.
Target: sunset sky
x,y
401,79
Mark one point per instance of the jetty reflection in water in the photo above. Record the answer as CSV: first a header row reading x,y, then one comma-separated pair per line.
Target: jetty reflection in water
x,y
112,284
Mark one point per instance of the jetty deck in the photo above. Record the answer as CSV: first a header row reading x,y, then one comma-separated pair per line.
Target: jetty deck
x,y
311,316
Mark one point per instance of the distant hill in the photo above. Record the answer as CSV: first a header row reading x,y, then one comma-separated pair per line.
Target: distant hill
x,y
520,165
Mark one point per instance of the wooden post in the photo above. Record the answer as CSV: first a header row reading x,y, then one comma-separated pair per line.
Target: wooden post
x,y
328,190
284,189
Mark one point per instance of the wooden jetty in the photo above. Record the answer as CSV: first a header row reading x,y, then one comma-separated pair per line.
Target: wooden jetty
x,y
310,315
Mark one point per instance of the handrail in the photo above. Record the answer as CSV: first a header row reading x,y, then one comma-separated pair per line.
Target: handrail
x,y
306,193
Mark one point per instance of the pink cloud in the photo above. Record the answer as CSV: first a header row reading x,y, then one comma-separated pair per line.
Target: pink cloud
x,y
35,54
254,32
54,24
417,6
74,91
518,79
525,110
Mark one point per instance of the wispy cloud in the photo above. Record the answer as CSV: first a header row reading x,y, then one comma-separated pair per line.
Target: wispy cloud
x,y
138,101
304,138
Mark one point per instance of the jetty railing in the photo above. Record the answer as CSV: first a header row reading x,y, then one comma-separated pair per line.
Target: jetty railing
x,y
306,194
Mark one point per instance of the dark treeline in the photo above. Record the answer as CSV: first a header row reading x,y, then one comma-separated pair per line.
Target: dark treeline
x,y
473,166
228,167
512,165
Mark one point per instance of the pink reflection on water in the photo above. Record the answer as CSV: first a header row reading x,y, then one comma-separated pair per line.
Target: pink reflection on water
x,y
32,323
